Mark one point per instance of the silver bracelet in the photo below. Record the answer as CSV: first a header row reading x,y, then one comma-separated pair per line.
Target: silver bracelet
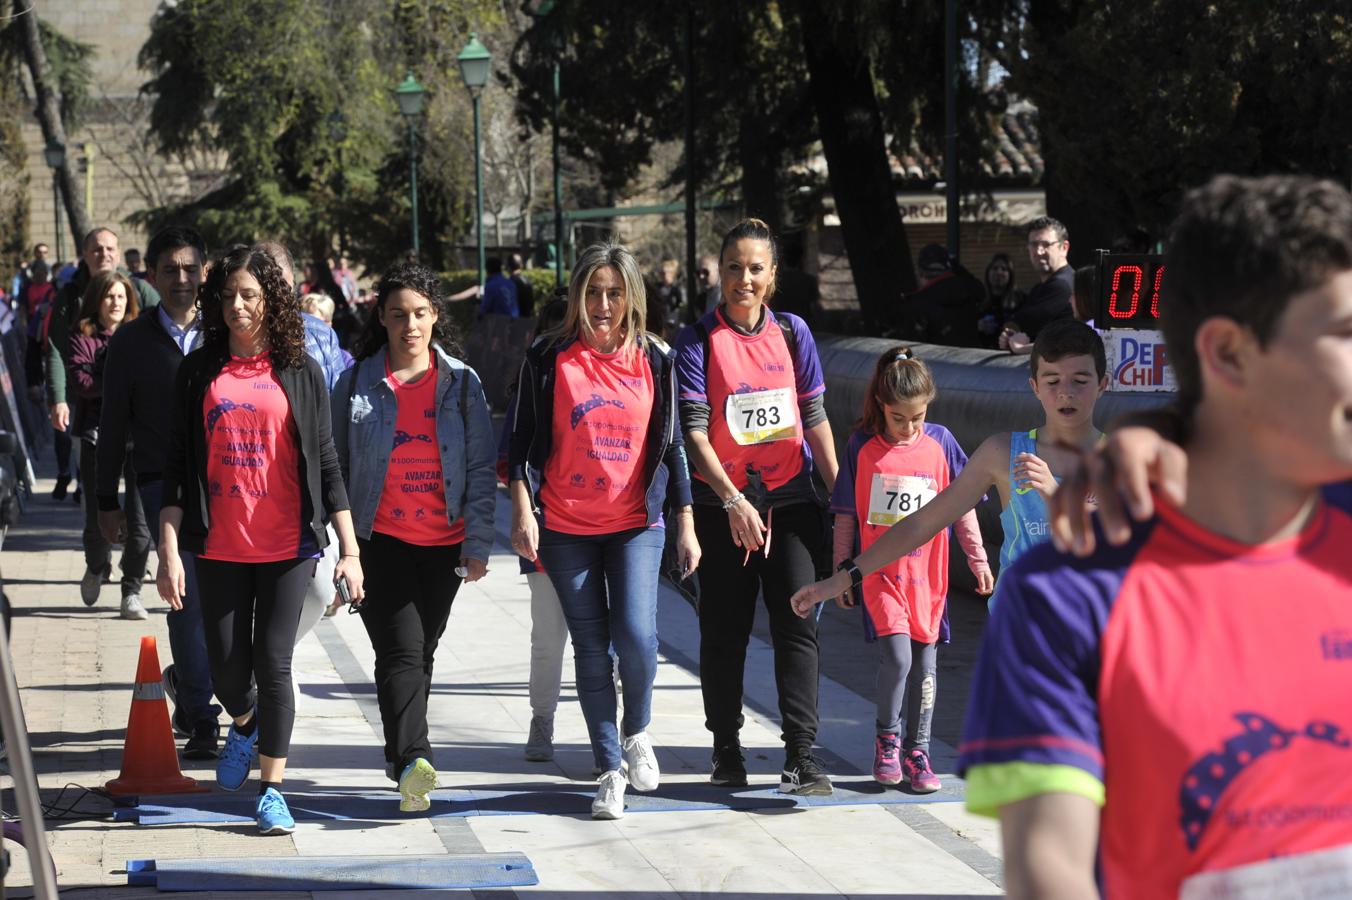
x,y
733,501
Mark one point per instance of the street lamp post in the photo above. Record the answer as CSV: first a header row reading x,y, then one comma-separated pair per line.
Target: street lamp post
x,y
540,9
55,154
475,63
410,97
337,133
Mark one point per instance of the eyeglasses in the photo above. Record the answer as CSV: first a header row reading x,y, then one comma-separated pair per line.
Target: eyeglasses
x,y
1044,245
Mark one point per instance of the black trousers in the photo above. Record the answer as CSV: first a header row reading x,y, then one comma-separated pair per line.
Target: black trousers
x,y
98,552
727,610
409,592
251,612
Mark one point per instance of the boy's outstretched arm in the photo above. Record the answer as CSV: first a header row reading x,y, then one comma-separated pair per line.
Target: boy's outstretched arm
x,y
989,463
1050,841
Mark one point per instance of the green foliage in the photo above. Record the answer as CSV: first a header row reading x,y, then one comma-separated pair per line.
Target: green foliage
x,y
1135,109
261,80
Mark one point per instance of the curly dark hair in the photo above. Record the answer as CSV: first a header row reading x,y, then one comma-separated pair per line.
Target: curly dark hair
x,y
281,308
420,280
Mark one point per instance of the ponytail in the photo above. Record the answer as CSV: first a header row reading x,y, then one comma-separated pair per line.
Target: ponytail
x,y
898,376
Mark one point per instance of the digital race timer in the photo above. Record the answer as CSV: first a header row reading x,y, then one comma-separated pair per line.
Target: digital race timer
x,y
1129,291
1127,316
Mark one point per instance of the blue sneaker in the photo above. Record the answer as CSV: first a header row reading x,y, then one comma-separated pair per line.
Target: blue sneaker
x,y
273,815
232,769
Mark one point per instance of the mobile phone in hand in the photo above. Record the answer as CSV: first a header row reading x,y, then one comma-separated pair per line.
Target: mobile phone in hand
x,y
345,594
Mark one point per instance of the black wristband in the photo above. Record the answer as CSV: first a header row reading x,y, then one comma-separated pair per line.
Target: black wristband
x,y
856,577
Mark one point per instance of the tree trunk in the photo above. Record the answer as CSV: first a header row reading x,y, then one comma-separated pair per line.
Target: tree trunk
x,y
760,158
850,124
49,118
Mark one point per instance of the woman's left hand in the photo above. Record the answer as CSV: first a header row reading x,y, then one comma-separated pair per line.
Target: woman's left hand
x,y
349,566
688,551
474,568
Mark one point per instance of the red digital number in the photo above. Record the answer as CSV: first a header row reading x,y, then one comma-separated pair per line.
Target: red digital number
x,y
1155,297
1113,307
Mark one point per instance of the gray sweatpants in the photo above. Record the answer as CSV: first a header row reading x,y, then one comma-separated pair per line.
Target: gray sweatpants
x,y
907,676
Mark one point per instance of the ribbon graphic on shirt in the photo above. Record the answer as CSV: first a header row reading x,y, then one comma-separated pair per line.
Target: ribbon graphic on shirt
x,y
595,402
226,405
403,437
1207,779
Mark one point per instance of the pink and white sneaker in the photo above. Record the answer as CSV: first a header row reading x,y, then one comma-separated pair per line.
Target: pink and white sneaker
x,y
887,759
918,772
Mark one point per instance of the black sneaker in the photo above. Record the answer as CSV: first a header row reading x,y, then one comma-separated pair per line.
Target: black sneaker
x,y
729,766
59,491
204,741
803,775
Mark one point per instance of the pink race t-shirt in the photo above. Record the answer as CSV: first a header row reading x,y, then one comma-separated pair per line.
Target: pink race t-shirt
x,y
753,395
892,481
413,503
602,405
253,466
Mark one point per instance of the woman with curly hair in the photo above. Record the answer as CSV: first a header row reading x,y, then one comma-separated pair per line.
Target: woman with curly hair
x,y
250,479
415,441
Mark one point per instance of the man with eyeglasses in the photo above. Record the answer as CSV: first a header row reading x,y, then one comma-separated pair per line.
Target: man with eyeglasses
x,y
707,291
1049,300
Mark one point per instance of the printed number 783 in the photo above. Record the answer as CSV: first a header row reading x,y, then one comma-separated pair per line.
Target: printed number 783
x,y
761,416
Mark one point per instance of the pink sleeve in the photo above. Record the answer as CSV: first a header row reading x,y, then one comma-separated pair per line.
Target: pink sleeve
x,y
968,533
842,544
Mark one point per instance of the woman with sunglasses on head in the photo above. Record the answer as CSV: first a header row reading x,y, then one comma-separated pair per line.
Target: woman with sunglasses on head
x,y
250,478
415,441
595,448
755,423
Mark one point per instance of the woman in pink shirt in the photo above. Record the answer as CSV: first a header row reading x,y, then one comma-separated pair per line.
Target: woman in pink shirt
x,y
250,479
596,452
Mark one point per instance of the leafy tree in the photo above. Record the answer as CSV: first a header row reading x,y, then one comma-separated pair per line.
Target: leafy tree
x,y
259,80
1137,108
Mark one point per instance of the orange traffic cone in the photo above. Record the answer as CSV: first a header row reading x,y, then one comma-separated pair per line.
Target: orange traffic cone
x,y
149,758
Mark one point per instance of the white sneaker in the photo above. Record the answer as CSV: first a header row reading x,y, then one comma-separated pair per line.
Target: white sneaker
x,y
132,608
641,762
609,802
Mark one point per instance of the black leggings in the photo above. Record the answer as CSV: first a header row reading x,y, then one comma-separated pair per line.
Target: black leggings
x,y
251,612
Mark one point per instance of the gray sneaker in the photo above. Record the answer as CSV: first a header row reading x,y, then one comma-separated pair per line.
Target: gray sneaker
x,y
540,744
90,585
132,608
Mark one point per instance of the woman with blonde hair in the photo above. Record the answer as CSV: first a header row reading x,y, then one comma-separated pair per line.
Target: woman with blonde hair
x,y
109,300
596,467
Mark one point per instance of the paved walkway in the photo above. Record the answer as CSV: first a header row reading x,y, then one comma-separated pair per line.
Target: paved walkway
x,y
76,666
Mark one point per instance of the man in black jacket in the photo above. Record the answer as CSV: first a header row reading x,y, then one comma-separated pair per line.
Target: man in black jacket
x,y
138,382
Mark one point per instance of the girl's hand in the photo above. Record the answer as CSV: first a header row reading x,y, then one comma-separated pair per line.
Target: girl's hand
x,y
985,581
1032,472
845,600
350,566
474,568
525,534
806,598
748,531
171,581
688,551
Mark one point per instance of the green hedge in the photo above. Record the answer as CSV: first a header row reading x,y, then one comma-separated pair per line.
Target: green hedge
x,y
462,314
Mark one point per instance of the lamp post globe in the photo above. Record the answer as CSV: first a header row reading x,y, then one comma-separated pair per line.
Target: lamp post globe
x,y
475,64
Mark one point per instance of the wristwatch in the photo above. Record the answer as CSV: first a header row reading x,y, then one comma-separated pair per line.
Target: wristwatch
x,y
856,577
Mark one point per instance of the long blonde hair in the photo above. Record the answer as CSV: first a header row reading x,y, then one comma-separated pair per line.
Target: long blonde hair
x,y
618,257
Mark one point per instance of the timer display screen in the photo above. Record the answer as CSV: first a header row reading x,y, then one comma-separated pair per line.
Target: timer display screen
x,y
1129,291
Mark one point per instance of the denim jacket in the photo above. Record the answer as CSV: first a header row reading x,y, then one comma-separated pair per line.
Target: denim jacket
x,y
364,415
665,470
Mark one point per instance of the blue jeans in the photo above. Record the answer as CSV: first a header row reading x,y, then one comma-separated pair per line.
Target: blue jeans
x,y
607,586
187,639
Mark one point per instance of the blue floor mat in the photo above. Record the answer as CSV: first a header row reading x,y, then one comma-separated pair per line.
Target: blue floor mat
x,y
526,799
335,873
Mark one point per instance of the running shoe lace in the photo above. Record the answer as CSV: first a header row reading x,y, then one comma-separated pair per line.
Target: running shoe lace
x,y
271,804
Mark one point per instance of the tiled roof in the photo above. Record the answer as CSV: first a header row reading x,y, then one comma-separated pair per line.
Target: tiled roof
x,y
1013,158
